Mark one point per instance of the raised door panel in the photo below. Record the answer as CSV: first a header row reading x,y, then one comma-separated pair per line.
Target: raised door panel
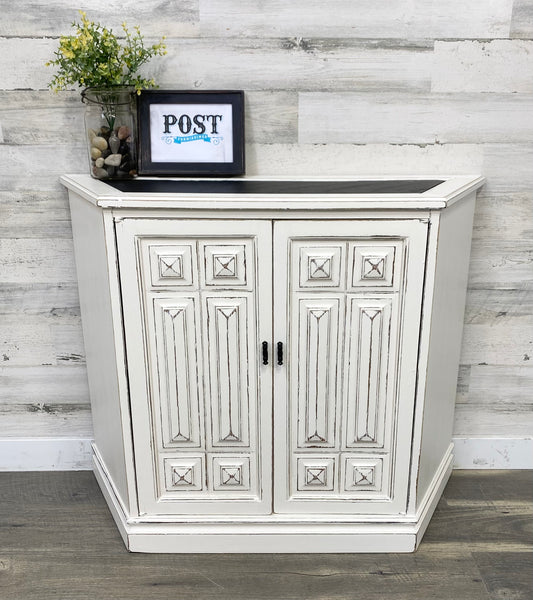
x,y
176,333
315,383
231,356
196,306
347,304
370,346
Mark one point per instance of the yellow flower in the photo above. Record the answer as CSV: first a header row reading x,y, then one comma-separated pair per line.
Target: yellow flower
x,y
95,56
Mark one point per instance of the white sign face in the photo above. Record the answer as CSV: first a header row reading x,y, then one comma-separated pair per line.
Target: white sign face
x,y
196,133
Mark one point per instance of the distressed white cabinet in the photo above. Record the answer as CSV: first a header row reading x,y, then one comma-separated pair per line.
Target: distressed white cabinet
x,y
272,364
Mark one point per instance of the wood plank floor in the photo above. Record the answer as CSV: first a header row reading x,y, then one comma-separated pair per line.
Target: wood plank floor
x,y
58,541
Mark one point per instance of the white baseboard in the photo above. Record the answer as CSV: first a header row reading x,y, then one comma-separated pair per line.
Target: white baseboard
x,y
493,453
66,454
45,454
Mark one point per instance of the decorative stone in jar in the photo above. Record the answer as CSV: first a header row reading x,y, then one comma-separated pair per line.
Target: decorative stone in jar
x,y
111,131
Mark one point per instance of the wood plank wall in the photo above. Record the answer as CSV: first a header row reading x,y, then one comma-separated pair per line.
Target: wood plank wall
x,y
341,87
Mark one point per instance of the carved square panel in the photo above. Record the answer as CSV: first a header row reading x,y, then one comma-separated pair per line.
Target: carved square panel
x,y
225,265
315,474
231,473
183,474
373,265
320,266
171,265
363,474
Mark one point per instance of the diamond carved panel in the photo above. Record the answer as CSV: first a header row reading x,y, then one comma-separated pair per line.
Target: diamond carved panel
x,y
363,474
226,265
231,476
316,474
373,265
183,474
320,266
231,473
171,265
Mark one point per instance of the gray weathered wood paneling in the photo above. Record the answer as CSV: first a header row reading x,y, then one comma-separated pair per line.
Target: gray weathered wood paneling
x,y
493,420
34,215
522,19
35,339
54,18
486,305
46,299
501,66
501,263
29,117
22,62
508,169
32,168
58,421
294,64
32,118
367,159
271,116
28,260
499,385
424,119
402,19
34,386
502,342
347,88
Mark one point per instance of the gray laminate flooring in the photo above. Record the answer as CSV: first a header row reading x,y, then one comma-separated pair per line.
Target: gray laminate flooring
x,y
58,541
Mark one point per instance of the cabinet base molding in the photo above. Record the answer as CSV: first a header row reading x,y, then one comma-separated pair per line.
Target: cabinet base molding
x,y
274,533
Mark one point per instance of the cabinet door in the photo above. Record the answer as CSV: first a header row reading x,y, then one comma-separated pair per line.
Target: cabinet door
x,y
197,302
347,304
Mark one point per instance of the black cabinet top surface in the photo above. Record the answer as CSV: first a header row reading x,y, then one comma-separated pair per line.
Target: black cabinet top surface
x,y
240,186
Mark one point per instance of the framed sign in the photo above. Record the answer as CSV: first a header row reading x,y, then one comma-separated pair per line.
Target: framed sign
x,y
191,133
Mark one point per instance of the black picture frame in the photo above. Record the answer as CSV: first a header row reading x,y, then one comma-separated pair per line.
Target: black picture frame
x,y
161,135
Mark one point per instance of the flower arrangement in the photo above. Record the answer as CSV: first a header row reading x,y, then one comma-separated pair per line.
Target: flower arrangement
x,y
96,57
106,66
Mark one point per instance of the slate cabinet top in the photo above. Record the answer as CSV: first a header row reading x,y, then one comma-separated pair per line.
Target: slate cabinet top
x,y
369,193
273,186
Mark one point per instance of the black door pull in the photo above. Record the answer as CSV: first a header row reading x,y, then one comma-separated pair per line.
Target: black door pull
x,y
265,353
280,353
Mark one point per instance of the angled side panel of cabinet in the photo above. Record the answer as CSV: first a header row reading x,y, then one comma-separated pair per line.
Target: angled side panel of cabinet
x,y
197,303
347,305
93,237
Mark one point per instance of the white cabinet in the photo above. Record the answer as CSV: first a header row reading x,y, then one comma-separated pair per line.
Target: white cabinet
x,y
269,371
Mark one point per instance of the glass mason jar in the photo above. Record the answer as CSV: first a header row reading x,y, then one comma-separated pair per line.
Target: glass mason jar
x,y
110,123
